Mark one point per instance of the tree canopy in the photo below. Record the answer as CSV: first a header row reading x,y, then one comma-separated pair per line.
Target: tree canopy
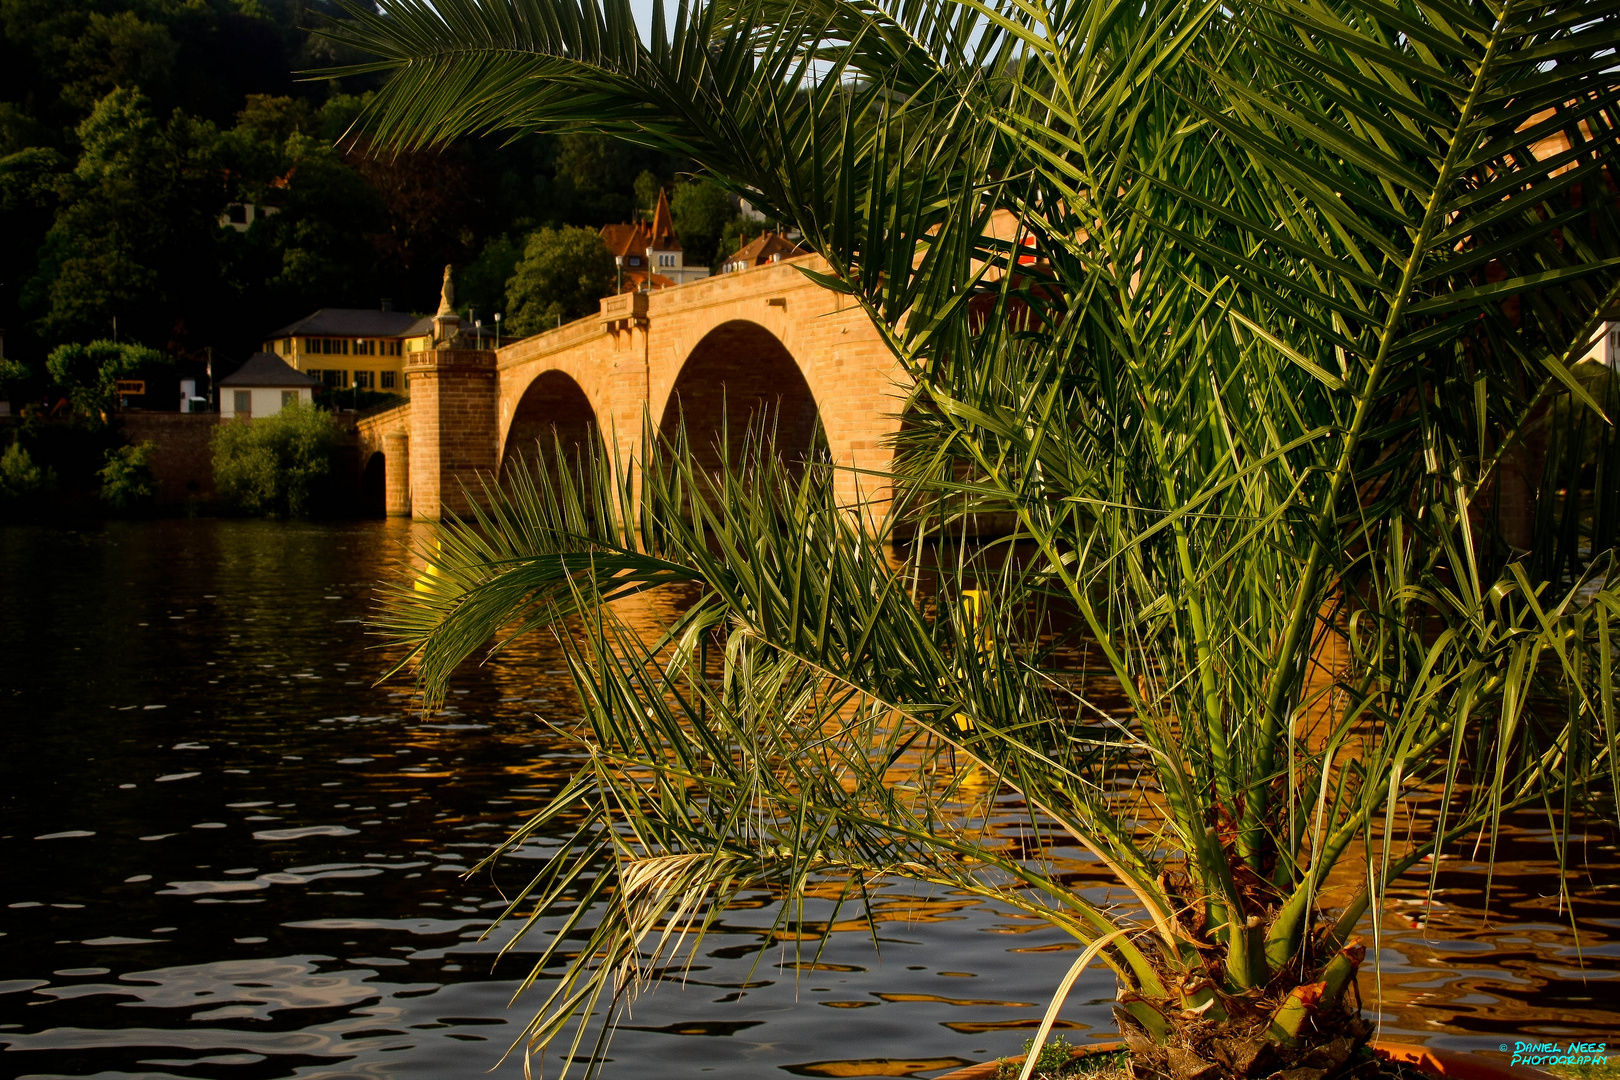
x,y
129,132
563,275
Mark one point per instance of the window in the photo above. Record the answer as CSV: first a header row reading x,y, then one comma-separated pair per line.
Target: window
x,y
244,402
311,345
666,260
289,398
365,380
634,260
332,377
388,380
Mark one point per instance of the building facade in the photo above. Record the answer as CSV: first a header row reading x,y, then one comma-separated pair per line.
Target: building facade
x,y
1606,350
352,348
262,387
647,253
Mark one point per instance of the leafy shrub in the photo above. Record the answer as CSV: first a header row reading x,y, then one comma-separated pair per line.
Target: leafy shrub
x,y
277,465
1057,1060
126,478
20,477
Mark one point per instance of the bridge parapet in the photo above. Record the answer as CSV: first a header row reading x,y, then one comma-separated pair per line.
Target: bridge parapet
x,y
628,309
566,336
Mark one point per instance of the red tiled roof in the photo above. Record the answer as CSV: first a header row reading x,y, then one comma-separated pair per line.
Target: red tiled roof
x,y
625,241
762,248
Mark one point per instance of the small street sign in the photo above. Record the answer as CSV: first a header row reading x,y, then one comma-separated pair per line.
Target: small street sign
x,y
132,387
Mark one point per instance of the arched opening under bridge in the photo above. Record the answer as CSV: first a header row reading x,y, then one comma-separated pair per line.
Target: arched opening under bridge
x,y
553,415
373,485
741,378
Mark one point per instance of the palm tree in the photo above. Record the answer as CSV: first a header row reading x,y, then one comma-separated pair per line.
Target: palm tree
x,y
1250,314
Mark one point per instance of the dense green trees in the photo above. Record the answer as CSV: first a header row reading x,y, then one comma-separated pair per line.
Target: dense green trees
x,y
128,130
563,274
88,374
132,238
702,212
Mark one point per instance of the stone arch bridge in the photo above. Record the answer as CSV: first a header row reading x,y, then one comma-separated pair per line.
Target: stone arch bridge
x,y
727,346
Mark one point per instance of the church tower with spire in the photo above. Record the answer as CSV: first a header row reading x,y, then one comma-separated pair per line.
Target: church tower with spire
x,y
649,255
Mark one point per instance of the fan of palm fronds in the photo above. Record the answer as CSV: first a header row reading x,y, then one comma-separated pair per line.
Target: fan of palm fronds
x,y
1253,317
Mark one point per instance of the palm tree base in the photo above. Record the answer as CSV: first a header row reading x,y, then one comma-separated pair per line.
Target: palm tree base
x,y
1442,1064
1242,1047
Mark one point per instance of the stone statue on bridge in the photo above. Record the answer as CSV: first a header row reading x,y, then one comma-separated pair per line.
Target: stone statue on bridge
x,y
446,323
447,294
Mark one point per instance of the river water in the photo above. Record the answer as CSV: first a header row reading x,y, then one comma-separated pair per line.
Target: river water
x,y
228,854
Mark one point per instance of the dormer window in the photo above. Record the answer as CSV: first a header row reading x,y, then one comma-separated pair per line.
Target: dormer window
x,y
634,260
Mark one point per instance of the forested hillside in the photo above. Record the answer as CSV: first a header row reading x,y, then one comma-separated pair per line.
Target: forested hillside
x,y
128,128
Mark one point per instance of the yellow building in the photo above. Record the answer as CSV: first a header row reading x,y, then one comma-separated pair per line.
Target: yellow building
x,y
353,347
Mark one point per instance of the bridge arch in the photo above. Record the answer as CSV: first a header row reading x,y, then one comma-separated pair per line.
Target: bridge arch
x,y
554,410
740,375
374,484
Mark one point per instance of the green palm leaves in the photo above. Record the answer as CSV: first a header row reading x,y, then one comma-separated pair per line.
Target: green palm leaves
x,y
1249,319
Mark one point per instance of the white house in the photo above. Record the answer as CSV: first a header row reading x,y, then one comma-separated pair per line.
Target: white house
x,y
263,387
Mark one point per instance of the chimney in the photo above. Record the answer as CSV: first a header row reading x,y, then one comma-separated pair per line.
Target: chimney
x,y
388,303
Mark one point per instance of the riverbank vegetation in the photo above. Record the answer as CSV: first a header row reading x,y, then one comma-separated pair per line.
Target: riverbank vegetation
x,y
277,466
1251,317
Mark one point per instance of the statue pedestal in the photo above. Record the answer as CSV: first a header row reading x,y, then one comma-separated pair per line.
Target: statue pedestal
x,y
454,437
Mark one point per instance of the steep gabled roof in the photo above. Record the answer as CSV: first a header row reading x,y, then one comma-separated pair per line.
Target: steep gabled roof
x,y
356,322
625,239
663,226
266,370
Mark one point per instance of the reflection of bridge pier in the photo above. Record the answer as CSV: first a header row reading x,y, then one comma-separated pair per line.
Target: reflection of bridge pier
x,y
760,342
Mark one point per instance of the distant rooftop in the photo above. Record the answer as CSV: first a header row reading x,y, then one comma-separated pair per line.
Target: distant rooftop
x,y
767,247
356,322
264,369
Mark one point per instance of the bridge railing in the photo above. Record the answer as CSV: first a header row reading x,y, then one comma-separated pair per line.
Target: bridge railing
x,y
624,307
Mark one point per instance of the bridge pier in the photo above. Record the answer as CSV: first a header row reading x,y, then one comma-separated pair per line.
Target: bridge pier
x,y
454,433
396,474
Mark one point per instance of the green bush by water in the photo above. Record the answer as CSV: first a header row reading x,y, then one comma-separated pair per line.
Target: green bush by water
x,y
21,478
278,466
126,478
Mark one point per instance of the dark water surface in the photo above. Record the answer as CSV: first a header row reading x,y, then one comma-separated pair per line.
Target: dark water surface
x,y
227,855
